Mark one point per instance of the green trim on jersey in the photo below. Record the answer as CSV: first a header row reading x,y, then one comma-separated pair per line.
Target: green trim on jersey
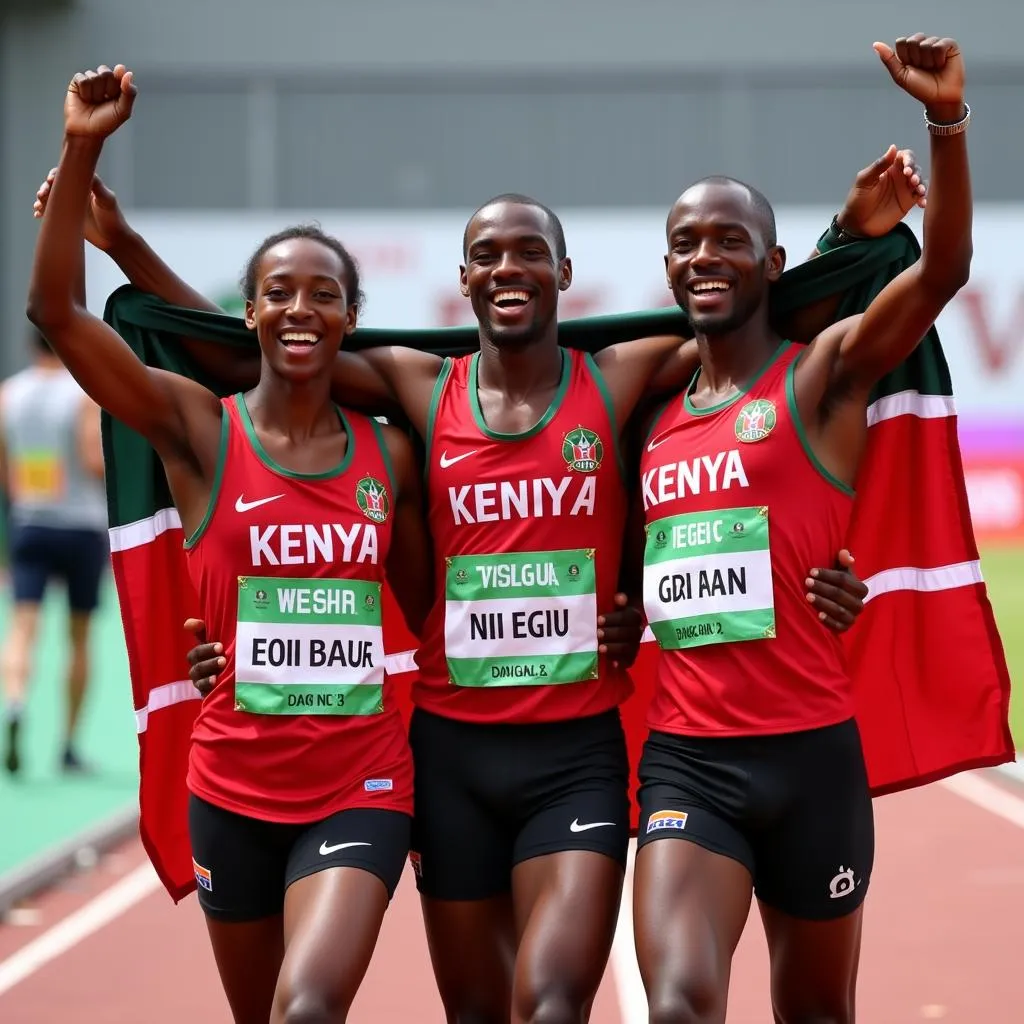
x,y
694,411
218,476
435,400
264,456
606,397
378,431
556,401
801,433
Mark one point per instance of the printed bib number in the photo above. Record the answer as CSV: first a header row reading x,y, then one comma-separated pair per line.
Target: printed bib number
x,y
708,578
37,476
522,619
308,647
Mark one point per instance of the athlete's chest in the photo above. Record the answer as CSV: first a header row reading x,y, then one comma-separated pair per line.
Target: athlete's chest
x,y
737,453
275,525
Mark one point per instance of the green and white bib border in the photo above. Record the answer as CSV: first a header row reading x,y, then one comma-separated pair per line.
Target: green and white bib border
x,y
708,578
756,420
521,619
583,450
309,647
373,499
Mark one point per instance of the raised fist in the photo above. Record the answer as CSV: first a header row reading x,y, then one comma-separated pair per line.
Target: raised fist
x,y
98,102
930,69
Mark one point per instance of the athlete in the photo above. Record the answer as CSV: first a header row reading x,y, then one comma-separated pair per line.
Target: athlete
x,y
300,772
522,812
752,778
51,469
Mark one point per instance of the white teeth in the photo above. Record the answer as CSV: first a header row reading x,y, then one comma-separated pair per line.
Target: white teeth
x,y
511,296
710,286
301,336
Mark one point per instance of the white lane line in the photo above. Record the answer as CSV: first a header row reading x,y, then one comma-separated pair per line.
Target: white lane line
x,y
987,795
100,910
626,973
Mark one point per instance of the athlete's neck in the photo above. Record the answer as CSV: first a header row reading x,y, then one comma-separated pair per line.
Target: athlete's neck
x,y
729,360
520,372
296,410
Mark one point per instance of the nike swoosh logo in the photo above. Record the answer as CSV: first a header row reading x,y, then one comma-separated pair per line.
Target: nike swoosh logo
x,y
241,505
325,849
654,444
446,462
577,827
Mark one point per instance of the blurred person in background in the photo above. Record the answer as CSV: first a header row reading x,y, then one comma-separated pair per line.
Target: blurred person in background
x,y
51,470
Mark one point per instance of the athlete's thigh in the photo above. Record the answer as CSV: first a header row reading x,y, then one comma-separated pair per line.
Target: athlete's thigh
x,y
332,919
31,563
461,839
814,868
472,947
341,873
573,791
240,869
462,859
813,966
690,906
694,873
566,907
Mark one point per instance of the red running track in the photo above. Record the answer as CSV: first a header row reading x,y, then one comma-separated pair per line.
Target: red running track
x,y
941,938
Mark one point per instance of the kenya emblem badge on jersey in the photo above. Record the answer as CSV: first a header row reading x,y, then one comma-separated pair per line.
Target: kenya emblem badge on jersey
x,y
583,450
756,420
372,499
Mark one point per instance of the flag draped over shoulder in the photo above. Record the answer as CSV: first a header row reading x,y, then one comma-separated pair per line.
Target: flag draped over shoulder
x,y
930,678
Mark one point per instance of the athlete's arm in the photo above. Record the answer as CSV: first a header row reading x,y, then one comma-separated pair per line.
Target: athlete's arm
x,y
90,437
409,565
881,196
377,381
646,368
860,350
148,401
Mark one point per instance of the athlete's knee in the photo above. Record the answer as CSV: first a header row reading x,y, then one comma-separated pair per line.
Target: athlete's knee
x,y
308,1005
552,1003
698,998
843,1013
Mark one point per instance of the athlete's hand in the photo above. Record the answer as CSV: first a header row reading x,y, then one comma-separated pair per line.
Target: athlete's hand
x,y
882,194
205,660
837,594
929,69
99,102
105,225
619,632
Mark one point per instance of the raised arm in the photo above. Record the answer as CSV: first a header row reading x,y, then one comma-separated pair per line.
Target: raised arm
x,y
866,347
108,371
882,194
377,381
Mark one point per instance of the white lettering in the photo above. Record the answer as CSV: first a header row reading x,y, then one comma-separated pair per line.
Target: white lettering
x,y
679,480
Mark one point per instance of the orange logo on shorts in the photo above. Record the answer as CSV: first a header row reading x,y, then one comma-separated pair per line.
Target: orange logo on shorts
x,y
661,820
203,876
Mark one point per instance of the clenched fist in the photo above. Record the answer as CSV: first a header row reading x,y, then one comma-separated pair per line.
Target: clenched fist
x,y
930,69
99,102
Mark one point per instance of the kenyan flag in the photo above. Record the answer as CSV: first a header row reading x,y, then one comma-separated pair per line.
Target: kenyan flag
x,y
929,673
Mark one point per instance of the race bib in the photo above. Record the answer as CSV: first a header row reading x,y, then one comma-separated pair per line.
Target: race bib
x,y
37,477
708,578
523,619
308,647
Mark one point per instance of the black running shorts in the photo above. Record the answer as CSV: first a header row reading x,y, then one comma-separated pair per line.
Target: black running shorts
x,y
491,796
794,809
244,865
